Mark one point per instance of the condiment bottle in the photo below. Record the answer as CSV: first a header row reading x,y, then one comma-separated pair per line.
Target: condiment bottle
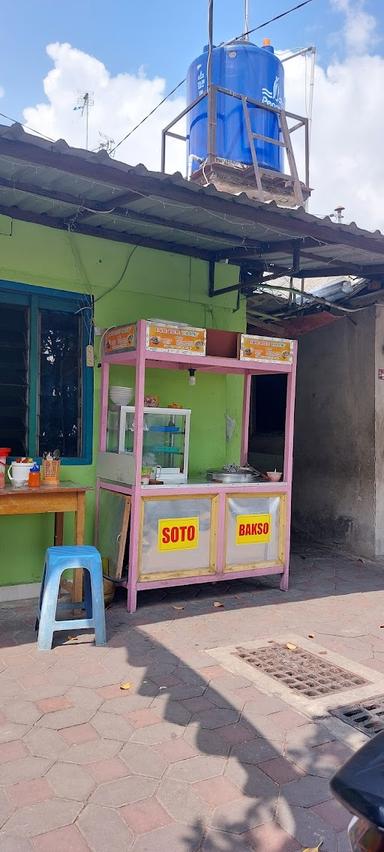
x,y
34,476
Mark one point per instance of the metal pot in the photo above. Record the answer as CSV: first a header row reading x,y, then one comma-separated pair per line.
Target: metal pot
x,y
242,476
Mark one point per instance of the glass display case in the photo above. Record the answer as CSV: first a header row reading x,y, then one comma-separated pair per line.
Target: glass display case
x,y
165,440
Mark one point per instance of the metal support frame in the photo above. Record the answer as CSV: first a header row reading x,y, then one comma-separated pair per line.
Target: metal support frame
x,y
210,90
251,140
283,117
233,288
251,276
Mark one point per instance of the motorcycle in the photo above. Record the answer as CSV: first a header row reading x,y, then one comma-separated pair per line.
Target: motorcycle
x,y
359,786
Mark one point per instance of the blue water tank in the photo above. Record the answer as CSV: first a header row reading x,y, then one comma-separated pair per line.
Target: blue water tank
x,y
248,70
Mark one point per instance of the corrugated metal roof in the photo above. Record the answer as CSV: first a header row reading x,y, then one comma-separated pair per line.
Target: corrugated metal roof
x,y
298,314
59,186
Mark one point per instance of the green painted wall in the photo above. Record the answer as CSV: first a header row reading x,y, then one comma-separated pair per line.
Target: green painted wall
x,y
155,284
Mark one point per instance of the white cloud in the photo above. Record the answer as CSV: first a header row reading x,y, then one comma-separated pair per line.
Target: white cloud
x,y
119,102
359,28
346,162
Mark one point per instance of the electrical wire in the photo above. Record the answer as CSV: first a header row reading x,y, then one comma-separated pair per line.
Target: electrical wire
x,y
26,127
271,21
121,276
127,135
172,92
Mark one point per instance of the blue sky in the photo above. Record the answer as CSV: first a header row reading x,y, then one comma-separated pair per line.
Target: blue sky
x,y
161,35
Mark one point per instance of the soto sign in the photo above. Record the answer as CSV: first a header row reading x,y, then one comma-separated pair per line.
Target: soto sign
x,y
178,534
253,529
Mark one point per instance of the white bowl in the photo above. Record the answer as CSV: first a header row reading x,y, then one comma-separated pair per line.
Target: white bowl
x,y
120,395
274,476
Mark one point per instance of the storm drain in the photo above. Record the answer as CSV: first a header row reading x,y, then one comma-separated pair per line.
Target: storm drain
x,y
367,716
299,670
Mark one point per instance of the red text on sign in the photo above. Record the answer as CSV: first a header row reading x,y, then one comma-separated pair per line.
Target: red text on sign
x,y
178,534
254,529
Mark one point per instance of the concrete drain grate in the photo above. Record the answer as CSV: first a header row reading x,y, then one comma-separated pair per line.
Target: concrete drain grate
x,y
300,670
367,716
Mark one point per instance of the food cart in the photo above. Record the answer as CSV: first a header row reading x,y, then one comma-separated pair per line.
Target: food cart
x,y
184,531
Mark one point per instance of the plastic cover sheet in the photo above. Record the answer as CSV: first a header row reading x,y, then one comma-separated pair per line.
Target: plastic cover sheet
x,y
153,560
261,552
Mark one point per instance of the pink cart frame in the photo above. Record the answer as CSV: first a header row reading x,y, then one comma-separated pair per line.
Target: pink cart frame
x,y
141,359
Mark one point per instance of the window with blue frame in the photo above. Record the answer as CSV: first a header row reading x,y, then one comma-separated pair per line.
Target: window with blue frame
x,y
46,387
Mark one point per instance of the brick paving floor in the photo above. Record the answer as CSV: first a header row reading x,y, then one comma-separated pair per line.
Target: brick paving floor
x,y
190,757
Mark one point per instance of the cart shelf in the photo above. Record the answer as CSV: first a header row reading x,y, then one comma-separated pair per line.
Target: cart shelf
x,y
183,532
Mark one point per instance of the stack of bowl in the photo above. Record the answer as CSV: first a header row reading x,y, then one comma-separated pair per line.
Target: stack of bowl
x,y
121,396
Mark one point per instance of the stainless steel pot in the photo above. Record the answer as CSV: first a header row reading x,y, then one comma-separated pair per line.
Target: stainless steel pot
x,y
232,478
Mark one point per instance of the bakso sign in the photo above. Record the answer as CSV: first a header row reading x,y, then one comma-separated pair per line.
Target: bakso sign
x,y
253,529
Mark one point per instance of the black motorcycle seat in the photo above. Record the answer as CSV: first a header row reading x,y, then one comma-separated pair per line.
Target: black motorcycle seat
x,y
359,784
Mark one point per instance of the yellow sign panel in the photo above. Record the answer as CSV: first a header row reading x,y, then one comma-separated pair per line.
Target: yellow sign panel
x,y
120,339
178,534
173,338
275,349
253,529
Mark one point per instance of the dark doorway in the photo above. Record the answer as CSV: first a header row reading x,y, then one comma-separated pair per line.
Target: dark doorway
x,y
267,422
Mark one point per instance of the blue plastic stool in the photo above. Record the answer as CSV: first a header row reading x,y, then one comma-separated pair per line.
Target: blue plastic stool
x,y
58,560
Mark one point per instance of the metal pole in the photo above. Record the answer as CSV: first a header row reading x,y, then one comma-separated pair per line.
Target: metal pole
x,y
210,91
311,90
163,140
86,100
246,19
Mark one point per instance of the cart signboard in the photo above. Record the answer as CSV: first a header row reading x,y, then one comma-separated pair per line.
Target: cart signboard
x,y
179,339
178,533
272,349
120,339
253,529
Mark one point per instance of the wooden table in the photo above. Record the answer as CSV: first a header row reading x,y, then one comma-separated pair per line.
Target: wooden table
x,y
65,497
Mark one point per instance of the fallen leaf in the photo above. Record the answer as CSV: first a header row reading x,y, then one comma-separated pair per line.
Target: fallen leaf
x,y
126,685
217,604
177,607
310,636
291,646
313,848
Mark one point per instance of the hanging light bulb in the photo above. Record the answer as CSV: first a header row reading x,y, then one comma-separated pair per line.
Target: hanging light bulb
x,y
192,377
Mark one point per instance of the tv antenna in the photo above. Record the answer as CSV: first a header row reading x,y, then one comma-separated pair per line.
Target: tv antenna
x,y
338,214
106,144
84,103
